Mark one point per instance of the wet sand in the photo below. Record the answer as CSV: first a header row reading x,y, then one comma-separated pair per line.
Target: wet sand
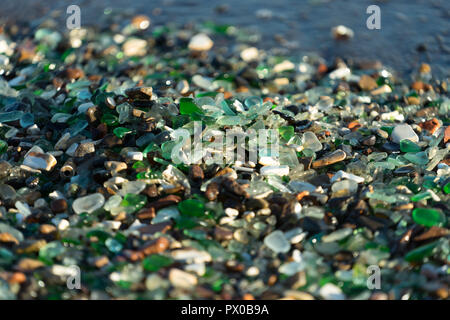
x,y
411,32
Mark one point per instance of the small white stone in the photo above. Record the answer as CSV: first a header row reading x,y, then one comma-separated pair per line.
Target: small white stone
x,y
345,175
277,242
40,161
63,225
279,82
350,185
23,208
135,155
268,161
181,279
135,47
200,42
63,142
63,271
154,282
198,268
342,32
295,235
191,256
297,255
226,220
250,54
291,268
231,212
331,292
340,73
251,164
383,89
55,195
283,66
88,203
404,131
391,116
252,271
275,170
264,212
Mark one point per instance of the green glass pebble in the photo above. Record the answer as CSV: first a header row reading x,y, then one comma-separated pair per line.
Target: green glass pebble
x,y
192,207
10,116
120,237
253,101
124,284
161,161
196,234
166,149
286,132
420,253
134,201
413,187
110,119
421,196
139,165
217,285
308,153
180,121
227,109
428,183
187,106
50,251
407,145
113,245
144,175
446,187
26,120
150,175
3,146
155,262
206,94
151,147
99,234
428,217
419,158
387,129
185,223
229,120
121,132
6,256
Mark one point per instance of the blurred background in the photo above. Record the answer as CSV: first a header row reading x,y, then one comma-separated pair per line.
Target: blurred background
x,y
412,31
